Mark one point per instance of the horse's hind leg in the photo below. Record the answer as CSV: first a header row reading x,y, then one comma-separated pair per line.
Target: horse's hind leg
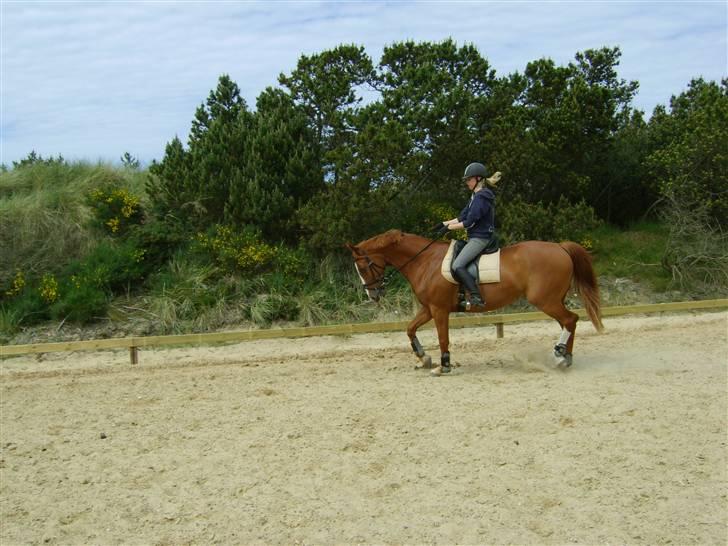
x,y
422,316
567,320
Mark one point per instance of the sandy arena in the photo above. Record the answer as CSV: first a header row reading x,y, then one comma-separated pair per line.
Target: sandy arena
x,y
338,440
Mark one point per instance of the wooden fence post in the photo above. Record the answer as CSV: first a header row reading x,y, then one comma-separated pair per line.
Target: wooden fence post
x,y
499,329
134,355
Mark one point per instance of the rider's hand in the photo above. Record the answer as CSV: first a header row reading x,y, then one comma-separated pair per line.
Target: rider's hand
x,y
440,228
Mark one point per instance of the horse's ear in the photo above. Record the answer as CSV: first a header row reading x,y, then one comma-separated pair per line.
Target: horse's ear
x,y
354,249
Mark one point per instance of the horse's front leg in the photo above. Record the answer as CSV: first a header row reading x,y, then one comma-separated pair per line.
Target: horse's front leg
x,y
442,322
422,316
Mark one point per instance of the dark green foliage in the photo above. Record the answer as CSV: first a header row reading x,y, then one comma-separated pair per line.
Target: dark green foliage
x,y
345,212
82,303
279,170
626,196
114,266
560,221
28,307
325,86
557,136
241,168
159,240
689,161
436,104
169,187
194,184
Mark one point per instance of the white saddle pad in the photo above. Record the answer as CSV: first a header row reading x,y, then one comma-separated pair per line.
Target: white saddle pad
x,y
488,266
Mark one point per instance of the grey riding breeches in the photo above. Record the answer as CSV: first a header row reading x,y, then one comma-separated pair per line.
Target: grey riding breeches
x,y
470,252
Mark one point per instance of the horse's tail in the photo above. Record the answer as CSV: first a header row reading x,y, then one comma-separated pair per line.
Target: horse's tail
x,y
585,282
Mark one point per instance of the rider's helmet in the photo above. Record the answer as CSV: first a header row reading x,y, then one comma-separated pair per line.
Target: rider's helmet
x,y
475,169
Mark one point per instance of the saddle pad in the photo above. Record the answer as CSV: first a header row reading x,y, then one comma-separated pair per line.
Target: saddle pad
x,y
488,266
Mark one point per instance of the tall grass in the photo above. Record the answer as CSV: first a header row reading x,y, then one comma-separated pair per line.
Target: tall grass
x,y
44,221
635,253
186,296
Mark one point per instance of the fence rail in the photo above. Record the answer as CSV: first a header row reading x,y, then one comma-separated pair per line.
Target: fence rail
x,y
499,320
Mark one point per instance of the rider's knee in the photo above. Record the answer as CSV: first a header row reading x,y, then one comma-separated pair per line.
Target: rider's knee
x,y
460,269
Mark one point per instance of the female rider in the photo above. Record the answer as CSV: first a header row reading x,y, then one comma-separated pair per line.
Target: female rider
x,y
478,218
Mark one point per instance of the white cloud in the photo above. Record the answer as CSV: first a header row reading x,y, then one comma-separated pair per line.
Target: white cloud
x,y
95,79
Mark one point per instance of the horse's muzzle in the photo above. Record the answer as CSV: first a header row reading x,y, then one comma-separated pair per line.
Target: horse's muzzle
x,y
374,294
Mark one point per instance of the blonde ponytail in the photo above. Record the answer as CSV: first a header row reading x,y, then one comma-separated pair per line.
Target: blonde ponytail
x,y
492,181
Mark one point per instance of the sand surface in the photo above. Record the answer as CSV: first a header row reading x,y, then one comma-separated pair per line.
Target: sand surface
x,y
338,440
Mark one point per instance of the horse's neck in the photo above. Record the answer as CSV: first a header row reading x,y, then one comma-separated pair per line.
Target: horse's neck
x,y
405,253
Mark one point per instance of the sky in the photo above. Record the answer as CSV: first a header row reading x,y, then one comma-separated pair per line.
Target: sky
x,y
92,80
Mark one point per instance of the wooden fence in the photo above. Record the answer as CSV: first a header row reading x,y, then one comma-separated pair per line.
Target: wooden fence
x,y
499,320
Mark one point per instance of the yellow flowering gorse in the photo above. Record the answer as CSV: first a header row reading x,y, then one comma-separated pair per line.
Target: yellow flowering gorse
x,y
243,252
18,284
49,288
116,208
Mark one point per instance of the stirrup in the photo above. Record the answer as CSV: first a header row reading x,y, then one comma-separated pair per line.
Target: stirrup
x,y
471,305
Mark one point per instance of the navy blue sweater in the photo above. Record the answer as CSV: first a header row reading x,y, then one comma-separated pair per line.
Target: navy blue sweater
x,y
478,216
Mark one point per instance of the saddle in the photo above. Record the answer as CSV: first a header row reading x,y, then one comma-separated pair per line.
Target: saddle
x,y
486,268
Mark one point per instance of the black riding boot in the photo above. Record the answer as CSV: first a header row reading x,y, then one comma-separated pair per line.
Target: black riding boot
x,y
472,286
461,289
462,300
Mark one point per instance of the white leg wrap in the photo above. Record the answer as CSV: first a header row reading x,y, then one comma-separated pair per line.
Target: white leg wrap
x,y
565,335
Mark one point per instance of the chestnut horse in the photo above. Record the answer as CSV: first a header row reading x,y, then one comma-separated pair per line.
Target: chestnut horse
x,y
540,271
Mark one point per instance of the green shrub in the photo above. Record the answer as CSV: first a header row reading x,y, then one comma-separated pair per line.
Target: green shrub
x,y
26,301
25,309
159,240
243,252
293,262
81,303
114,208
520,221
111,265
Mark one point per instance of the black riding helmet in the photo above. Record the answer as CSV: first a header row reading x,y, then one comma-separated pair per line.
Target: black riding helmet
x,y
475,169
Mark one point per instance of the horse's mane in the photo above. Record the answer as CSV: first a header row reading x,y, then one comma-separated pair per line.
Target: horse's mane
x,y
383,240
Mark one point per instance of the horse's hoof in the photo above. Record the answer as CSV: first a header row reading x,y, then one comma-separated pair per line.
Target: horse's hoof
x,y
440,370
564,361
426,363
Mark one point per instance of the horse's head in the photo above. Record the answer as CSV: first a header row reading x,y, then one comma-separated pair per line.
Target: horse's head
x,y
370,268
